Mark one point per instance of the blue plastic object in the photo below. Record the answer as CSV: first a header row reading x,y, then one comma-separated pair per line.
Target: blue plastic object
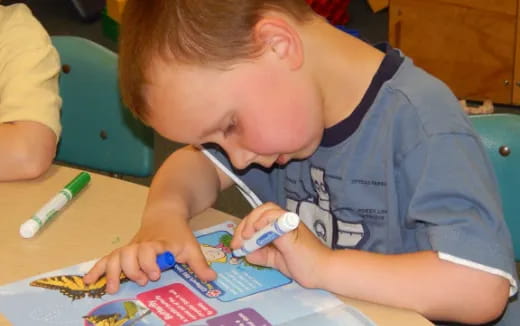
x,y
165,261
500,134
351,31
98,132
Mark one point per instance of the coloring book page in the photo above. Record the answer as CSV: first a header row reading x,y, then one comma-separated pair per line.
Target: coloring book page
x,y
242,295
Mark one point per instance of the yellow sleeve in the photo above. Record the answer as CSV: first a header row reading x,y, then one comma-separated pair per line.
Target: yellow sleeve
x,y
29,70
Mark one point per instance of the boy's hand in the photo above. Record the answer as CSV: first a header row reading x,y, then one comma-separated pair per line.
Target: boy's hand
x,y
298,254
137,260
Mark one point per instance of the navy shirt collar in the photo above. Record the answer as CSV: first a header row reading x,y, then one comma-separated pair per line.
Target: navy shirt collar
x,y
343,129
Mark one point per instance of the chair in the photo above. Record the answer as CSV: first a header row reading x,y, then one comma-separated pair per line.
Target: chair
x,y
98,132
500,134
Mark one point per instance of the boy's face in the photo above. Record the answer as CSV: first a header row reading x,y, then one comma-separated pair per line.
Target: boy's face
x,y
258,112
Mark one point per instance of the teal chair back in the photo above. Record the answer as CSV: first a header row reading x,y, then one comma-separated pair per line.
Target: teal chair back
x,y
98,132
500,134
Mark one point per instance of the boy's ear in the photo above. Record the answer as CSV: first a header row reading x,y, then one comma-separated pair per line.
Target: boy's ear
x,y
278,36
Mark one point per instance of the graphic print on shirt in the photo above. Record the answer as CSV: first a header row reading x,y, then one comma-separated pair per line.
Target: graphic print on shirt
x,y
315,212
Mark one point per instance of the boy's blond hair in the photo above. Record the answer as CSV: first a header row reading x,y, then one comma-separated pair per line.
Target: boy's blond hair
x,y
205,32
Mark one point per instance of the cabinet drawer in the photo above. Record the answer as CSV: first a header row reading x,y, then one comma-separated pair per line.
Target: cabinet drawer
x,y
470,49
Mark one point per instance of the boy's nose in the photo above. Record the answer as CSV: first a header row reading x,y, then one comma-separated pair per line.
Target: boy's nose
x,y
241,158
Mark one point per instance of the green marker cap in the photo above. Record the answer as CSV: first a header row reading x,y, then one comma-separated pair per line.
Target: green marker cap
x,y
78,183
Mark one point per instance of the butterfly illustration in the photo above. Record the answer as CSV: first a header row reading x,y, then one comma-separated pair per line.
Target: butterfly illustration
x,y
73,286
106,320
132,316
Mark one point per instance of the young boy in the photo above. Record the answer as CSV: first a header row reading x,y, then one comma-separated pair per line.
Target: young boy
x,y
399,201
29,98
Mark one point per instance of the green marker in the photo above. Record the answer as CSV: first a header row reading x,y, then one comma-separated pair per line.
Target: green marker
x,y
35,223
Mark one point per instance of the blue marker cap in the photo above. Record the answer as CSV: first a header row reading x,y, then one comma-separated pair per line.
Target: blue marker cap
x,y
165,260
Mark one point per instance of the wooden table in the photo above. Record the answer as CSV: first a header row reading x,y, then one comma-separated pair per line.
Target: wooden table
x,y
110,209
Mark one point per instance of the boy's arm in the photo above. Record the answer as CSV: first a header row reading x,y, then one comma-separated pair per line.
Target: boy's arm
x,y
187,183
451,201
26,150
421,281
438,289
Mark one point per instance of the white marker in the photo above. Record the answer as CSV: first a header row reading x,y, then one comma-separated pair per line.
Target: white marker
x,y
283,224
35,223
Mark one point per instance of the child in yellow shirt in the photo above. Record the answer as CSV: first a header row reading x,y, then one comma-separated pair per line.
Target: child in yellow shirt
x,y
29,99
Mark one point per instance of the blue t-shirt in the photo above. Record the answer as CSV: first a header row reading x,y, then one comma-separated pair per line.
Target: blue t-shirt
x,y
405,172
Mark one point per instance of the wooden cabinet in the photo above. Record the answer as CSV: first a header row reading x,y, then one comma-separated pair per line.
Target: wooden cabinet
x,y
472,45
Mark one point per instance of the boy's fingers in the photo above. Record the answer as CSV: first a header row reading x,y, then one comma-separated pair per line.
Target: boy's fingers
x,y
112,273
256,220
129,265
243,229
269,257
267,217
259,257
237,239
264,257
96,271
248,229
200,267
147,257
